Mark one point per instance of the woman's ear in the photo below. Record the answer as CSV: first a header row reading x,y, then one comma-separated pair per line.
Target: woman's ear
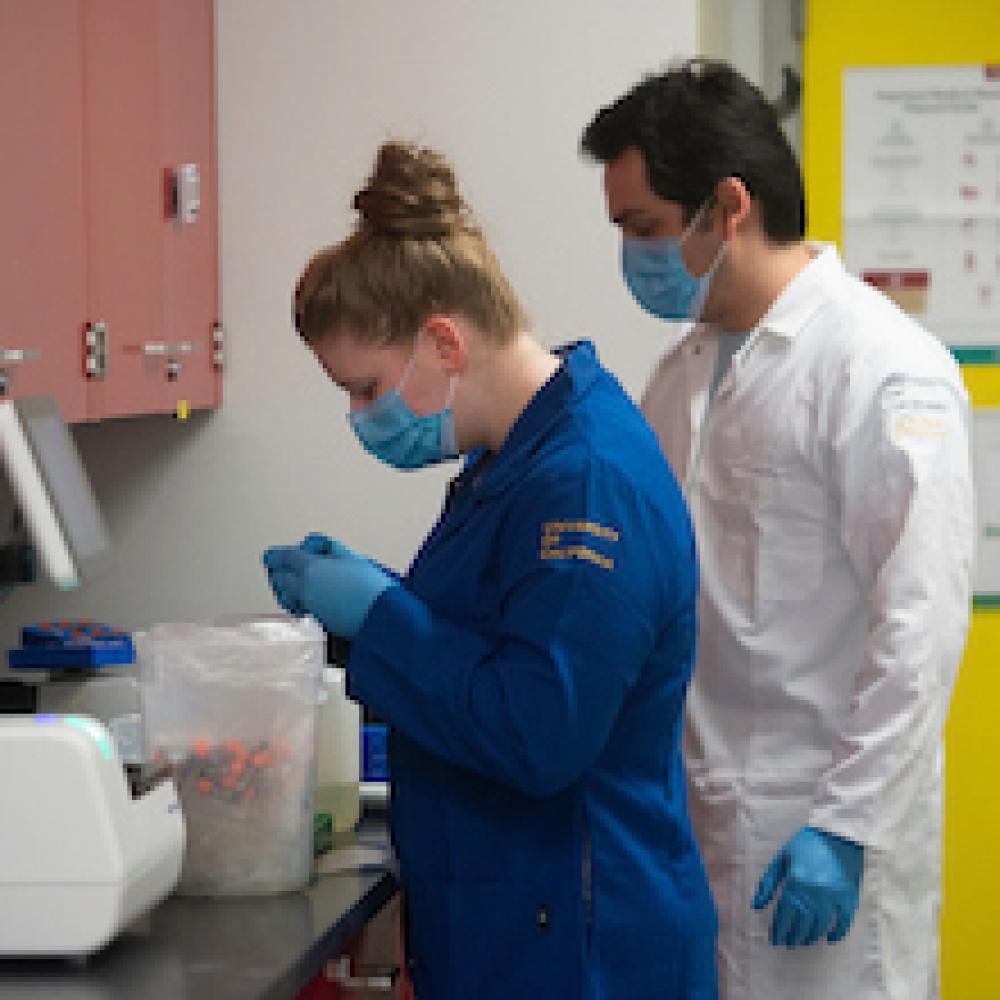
x,y
448,341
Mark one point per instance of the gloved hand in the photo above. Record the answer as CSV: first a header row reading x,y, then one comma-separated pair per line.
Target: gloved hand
x,y
336,586
822,874
322,545
316,544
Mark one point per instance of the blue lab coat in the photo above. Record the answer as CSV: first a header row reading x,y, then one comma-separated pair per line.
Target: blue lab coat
x,y
533,668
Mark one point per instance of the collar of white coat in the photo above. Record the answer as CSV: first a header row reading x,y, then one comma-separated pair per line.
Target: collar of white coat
x,y
798,301
805,294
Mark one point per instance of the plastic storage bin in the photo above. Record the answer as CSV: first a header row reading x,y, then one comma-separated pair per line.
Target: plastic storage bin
x,y
231,708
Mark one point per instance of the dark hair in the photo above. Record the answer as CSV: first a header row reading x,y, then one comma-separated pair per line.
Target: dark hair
x,y
696,124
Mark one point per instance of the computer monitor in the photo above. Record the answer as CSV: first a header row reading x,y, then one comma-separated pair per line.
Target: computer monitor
x,y
50,486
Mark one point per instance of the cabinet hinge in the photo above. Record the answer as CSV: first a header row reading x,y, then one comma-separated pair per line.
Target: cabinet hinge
x,y
218,347
95,350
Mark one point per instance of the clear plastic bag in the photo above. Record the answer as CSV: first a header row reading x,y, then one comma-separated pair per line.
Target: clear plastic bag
x,y
231,708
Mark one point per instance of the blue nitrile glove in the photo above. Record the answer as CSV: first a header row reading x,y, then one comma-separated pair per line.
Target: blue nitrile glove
x,y
322,545
822,874
337,587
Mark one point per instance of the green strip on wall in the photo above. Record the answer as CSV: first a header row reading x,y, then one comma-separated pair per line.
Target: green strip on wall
x,y
986,602
976,355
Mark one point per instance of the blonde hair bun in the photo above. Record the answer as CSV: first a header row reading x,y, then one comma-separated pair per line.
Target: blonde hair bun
x,y
415,250
412,194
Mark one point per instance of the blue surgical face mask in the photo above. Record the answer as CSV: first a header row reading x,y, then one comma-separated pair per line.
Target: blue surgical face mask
x,y
393,433
658,278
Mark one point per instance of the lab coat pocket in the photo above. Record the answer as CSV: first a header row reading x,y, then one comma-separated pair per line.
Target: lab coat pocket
x,y
791,525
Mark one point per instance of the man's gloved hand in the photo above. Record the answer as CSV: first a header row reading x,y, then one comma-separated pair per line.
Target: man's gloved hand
x,y
822,874
334,585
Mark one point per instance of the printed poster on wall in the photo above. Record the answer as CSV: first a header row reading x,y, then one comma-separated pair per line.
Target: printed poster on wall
x,y
921,195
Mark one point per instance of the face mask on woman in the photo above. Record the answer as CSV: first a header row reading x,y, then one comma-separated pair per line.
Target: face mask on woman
x,y
658,278
390,430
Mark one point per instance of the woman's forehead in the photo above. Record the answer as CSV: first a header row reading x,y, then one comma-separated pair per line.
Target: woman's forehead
x,y
346,357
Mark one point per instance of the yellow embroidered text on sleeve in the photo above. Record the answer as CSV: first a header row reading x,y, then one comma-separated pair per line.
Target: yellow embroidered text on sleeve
x,y
577,540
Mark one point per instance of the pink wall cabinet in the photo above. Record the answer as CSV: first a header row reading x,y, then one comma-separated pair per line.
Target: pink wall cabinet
x,y
131,311
43,281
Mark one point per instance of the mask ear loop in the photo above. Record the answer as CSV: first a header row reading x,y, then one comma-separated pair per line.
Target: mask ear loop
x,y
706,279
452,382
696,219
710,273
409,364
449,433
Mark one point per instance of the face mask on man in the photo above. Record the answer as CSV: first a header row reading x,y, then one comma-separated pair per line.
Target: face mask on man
x,y
390,430
658,278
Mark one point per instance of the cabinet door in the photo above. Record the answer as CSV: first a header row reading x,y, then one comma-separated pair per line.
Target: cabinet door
x,y
190,249
124,190
42,274
371,967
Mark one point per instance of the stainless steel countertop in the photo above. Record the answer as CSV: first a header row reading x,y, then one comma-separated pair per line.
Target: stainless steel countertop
x,y
216,949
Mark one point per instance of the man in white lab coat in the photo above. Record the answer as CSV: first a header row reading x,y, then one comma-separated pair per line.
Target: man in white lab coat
x,y
822,437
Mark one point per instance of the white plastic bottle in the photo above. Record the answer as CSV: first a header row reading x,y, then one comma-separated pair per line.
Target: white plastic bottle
x,y
338,753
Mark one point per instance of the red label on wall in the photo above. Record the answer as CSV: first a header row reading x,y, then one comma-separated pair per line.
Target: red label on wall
x,y
885,280
914,279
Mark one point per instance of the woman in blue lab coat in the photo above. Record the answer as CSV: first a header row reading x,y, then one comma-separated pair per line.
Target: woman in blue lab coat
x,y
533,661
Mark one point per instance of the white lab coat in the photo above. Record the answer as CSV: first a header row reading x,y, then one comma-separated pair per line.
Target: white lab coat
x,y
831,492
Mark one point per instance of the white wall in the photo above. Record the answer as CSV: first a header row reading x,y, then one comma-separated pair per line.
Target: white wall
x,y
759,37
307,90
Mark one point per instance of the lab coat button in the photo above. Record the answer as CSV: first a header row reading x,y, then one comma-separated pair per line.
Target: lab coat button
x,y
543,917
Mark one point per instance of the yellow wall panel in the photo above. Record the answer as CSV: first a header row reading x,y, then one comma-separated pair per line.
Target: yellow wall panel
x,y
972,832
983,382
912,32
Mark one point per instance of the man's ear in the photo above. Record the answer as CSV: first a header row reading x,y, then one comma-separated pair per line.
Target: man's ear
x,y
733,203
447,340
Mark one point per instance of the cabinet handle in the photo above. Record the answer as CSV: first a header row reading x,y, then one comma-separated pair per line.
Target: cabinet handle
x,y
159,348
378,980
170,354
16,356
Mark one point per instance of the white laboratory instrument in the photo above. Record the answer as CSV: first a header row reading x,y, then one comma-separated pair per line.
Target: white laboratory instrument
x,y
80,857
51,489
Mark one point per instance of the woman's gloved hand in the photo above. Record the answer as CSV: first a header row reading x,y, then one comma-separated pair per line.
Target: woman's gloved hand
x,y
323,545
325,579
822,875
